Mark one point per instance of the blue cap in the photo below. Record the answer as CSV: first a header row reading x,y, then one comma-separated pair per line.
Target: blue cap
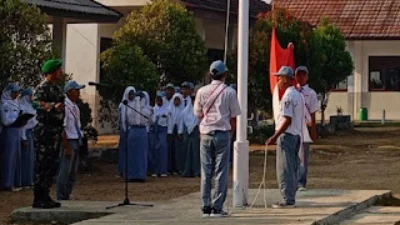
x,y
191,85
217,68
170,85
186,84
26,92
161,93
301,68
177,89
72,85
13,87
285,71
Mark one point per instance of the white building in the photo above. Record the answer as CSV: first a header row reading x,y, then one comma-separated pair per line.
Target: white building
x,y
87,41
372,32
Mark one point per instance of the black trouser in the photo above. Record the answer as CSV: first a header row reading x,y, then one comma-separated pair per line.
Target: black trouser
x,y
47,145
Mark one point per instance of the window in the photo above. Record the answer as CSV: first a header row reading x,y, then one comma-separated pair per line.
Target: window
x,y
341,86
384,73
105,43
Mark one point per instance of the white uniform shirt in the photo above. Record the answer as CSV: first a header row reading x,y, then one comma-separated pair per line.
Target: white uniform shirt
x,y
225,107
310,98
291,105
72,121
188,101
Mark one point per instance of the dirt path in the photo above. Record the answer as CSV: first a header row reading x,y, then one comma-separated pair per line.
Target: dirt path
x,y
367,158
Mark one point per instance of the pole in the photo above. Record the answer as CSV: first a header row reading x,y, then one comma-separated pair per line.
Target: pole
x,y
227,23
241,146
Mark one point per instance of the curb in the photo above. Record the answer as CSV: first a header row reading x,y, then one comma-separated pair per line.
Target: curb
x,y
350,211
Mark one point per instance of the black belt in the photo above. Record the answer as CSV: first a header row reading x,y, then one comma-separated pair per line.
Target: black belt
x,y
214,132
137,126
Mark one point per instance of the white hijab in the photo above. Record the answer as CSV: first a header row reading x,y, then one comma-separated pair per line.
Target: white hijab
x,y
126,96
6,98
26,103
175,112
190,120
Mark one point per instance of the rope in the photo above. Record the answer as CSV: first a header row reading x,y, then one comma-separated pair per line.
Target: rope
x,y
263,181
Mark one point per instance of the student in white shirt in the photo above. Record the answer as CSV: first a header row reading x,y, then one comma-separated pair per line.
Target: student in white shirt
x,y
191,138
28,150
11,140
310,130
186,93
176,158
72,139
289,122
159,151
217,106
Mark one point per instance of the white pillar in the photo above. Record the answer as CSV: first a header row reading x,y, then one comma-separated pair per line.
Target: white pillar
x,y
241,147
60,36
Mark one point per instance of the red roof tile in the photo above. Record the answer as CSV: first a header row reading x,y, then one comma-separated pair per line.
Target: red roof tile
x,y
357,19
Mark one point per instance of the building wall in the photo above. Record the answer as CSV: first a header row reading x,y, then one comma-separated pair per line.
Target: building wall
x,y
358,94
82,59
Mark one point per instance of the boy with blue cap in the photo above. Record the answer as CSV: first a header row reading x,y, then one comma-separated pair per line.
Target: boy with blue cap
x,y
72,139
217,107
289,119
310,130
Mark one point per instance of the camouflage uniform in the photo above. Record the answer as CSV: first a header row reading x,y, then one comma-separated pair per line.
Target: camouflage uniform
x,y
47,136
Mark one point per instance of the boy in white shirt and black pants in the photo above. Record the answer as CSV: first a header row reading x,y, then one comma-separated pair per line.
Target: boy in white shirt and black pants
x,y
311,107
72,137
289,122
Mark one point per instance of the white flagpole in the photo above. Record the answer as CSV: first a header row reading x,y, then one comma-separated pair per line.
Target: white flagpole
x,y
241,147
227,24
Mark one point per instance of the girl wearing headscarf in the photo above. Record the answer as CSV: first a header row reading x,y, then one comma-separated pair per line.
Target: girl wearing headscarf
x,y
11,140
190,125
28,151
134,123
159,149
129,95
175,129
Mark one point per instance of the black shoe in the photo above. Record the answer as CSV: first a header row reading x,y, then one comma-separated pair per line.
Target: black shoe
x,y
52,203
206,212
46,205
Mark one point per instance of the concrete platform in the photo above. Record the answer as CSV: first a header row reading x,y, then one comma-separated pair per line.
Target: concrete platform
x,y
375,216
313,207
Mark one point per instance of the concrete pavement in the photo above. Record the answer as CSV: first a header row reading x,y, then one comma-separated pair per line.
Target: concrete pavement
x,y
313,207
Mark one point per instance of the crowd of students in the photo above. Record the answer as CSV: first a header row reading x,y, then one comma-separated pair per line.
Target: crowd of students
x,y
160,140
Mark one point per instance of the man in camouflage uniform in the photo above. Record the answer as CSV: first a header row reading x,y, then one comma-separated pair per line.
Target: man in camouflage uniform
x,y
48,100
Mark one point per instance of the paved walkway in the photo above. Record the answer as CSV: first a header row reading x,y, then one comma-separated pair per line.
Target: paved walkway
x,y
325,206
313,207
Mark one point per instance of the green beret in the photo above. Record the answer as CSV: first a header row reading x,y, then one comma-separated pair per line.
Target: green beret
x,y
51,65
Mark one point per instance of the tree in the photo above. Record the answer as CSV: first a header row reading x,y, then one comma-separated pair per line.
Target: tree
x,y
124,65
321,49
288,29
25,43
331,63
167,34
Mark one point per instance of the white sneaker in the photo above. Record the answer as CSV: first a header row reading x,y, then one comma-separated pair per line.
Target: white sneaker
x,y
219,214
154,175
302,189
164,175
282,205
205,215
16,189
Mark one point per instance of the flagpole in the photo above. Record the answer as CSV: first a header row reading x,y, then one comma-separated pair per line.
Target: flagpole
x,y
227,23
241,146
